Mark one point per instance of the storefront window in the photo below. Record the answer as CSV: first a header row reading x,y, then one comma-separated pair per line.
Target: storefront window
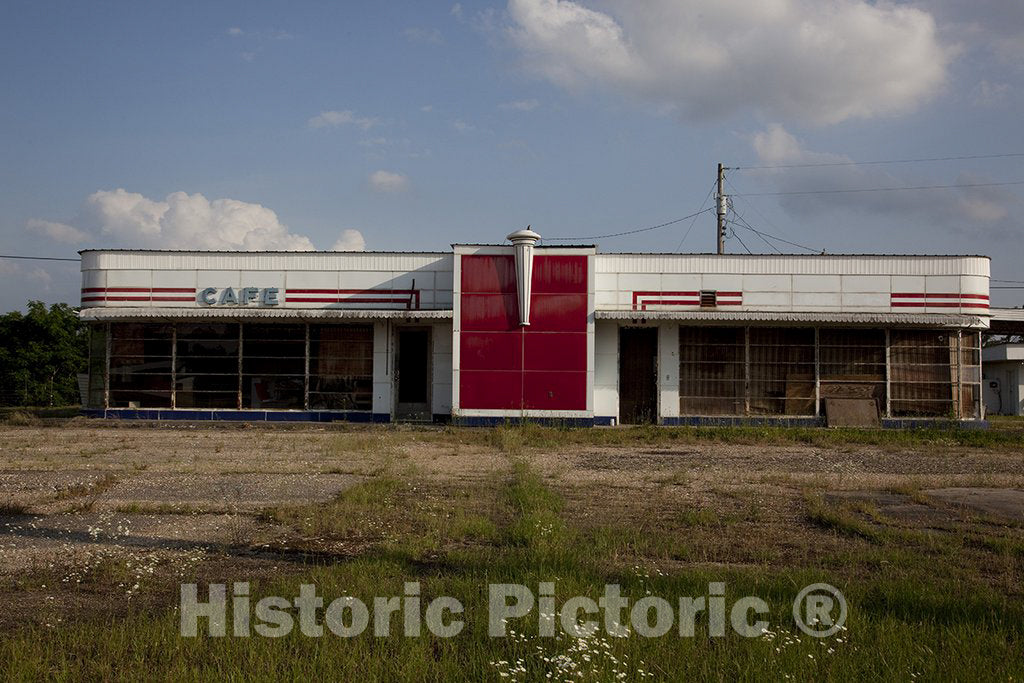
x,y
207,366
341,367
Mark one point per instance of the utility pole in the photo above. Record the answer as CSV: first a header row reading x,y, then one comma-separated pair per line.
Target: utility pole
x,y
721,202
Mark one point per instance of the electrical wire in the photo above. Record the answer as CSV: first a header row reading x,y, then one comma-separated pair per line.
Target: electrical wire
x,y
627,232
878,189
873,163
753,206
736,235
759,235
38,258
694,221
746,225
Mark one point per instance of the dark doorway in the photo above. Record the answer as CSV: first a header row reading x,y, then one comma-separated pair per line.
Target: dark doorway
x,y
412,374
638,375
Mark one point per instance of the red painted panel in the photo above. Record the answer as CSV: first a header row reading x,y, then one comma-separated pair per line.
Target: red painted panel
x,y
555,351
488,273
558,312
491,350
490,389
555,390
490,312
559,274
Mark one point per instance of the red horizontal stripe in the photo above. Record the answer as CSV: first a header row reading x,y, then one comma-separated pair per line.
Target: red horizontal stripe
x,y
350,291
350,300
138,289
936,304
937,295
93,298
173,298
730,294
639,294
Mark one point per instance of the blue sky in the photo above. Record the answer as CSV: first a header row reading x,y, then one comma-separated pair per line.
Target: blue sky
x,y
415,125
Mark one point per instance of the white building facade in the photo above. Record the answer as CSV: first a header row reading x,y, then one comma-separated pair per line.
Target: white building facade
x,y
495,333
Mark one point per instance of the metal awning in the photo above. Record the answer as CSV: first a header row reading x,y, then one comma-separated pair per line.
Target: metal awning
x,y
168,314
741,317
1007,321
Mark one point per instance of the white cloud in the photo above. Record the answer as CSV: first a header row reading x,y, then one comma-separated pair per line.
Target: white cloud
x,y
58,232
519,105
235,31
184,221
386,181
979,211
341,118
819,61
462,126
350,240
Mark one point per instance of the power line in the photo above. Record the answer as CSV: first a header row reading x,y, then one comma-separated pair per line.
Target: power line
x,y
694,221
746,225
1015,282
759,235
878,189
736,235
753,206
38,258
886,161
627,232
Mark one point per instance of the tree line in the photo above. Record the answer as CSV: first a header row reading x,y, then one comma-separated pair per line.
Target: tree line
x,y
42,352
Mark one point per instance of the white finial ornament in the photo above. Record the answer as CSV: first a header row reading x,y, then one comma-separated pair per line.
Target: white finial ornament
x,y
522,243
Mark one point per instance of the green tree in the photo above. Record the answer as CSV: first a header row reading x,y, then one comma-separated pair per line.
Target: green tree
x,y
41,353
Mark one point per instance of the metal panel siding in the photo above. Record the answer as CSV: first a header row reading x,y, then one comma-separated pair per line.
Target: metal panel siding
x,y
555,390
559,275
492,350
555,351
492,344
489,312
766,264
488,274
558,312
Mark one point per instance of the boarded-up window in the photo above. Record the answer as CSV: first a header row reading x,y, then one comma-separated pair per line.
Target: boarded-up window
x,y
206,365
273,366
711,361
341,367
97,365
140,365
852,364
922,377
781,371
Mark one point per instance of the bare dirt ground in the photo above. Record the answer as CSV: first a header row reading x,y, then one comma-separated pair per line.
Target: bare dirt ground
x,y
90,513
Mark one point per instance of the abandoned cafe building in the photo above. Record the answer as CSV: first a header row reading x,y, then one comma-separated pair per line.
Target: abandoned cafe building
x,y
486,333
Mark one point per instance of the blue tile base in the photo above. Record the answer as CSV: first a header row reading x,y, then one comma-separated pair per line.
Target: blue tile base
x,y
477,421
238,415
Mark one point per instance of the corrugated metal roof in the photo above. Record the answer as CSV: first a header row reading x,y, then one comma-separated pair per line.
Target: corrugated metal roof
x,y
115,314
1008,314
784,317
792,264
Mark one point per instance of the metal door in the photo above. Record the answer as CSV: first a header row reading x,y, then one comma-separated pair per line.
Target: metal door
x,y
638,375
412,374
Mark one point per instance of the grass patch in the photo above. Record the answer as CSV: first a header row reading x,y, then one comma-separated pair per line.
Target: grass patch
x,y
838,518
514,439
90,491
